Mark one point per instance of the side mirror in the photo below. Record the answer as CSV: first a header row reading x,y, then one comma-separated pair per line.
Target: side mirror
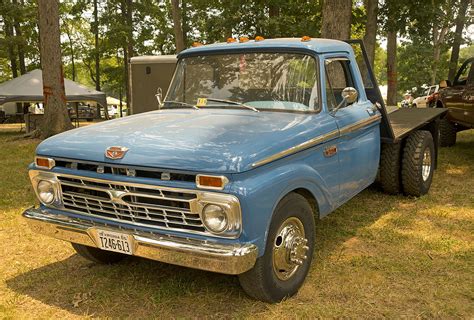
x,y
349,95
159,97
445,84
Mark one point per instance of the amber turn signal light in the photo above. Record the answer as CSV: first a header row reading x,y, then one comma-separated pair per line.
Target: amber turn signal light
x,y
305,38
211,182
44,162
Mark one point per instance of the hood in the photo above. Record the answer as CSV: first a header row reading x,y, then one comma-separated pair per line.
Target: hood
x,y
210,140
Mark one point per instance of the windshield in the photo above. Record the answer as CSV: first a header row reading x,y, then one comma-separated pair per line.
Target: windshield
x,y
276,81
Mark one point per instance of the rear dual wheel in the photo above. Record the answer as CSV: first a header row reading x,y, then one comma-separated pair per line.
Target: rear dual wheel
x,y
281,271
418,162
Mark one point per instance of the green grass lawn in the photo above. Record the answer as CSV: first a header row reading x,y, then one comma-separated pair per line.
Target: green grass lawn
x,y
377,256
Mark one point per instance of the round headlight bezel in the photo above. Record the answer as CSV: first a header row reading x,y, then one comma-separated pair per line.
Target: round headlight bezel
x,y
210,214
46,192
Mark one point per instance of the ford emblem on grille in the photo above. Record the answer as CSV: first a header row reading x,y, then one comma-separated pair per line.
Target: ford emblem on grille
x,y
115,152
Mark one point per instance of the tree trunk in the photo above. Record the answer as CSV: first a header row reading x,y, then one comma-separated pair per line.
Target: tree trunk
x,y
391,68
337,17
20,41
177,26
96,47
371,7
56,118
460,21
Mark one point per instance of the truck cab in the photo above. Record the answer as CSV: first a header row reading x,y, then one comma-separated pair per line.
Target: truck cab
x,y
253,142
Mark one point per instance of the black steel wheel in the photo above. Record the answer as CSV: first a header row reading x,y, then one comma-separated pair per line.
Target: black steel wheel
x,y
281,271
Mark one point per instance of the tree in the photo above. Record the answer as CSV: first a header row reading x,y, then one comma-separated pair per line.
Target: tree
x,y
337,15
370,37
391,68
56,118
177,26
460,22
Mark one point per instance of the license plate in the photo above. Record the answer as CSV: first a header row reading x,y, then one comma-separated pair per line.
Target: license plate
x,y
115,241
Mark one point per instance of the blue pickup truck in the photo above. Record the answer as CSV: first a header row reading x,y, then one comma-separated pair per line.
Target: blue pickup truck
x,y
254,141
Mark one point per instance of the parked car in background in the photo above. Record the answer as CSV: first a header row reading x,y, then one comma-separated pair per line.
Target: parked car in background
x,y
458,97
82,112
427,99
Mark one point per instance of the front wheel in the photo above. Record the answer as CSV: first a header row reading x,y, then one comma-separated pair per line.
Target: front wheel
x,y
281,271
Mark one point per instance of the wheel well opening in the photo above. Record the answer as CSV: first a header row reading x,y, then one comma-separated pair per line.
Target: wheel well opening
x,y
310,198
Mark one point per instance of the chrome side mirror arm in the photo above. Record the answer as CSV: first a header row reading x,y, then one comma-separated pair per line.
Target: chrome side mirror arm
x,y
159,97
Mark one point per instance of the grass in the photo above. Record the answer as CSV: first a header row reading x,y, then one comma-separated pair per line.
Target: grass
x,y
377,256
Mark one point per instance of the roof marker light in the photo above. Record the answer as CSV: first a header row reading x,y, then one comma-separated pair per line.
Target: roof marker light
x,y
305,38
231,40
197,44
259,38
243,39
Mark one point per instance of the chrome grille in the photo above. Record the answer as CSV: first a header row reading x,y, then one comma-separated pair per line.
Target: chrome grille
x,y
152,206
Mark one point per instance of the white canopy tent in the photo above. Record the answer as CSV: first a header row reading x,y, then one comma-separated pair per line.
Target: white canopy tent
x,y
29,88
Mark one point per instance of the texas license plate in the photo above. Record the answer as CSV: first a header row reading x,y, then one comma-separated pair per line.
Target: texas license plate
x,y
115,241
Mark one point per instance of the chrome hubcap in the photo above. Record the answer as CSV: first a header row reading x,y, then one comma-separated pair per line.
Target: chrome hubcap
x,y
426,166
289,248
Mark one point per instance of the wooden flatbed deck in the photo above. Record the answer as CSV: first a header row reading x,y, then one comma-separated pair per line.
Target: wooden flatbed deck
x,y
404,121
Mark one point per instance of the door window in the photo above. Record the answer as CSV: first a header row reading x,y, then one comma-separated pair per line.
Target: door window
x,y
338,77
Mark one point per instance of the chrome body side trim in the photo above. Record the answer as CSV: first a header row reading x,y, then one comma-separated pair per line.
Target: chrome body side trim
x,y
319,140
359,124
302,146
204,255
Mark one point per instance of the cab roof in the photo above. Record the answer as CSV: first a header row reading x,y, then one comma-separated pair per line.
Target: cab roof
x,y
316,45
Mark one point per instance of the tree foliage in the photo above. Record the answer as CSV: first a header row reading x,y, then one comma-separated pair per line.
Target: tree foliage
x,y
129,27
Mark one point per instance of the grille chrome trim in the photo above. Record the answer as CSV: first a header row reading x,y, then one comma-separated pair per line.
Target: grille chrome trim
x,y
142,205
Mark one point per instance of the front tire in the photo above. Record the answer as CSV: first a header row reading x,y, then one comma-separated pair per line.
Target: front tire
x,y
281,271
418,163
97,255
447,133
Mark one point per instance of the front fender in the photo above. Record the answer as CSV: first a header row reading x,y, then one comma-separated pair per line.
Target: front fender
x,y
260,190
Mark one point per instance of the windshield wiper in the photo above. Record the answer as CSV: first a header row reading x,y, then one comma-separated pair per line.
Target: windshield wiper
x,y
234,103
185,104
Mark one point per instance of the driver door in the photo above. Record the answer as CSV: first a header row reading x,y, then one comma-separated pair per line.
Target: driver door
x,y
358,123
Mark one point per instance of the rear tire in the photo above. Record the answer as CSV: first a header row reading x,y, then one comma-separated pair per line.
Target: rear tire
x,y
447,133
267,280
97,255
418,163
390,168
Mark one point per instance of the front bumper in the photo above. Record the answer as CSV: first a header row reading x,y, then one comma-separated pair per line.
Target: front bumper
x,y
204,255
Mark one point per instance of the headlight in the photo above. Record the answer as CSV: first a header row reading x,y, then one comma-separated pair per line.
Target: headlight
x,y
45,191
214,218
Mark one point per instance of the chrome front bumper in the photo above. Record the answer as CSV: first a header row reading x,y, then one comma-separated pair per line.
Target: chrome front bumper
x,y
204,255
